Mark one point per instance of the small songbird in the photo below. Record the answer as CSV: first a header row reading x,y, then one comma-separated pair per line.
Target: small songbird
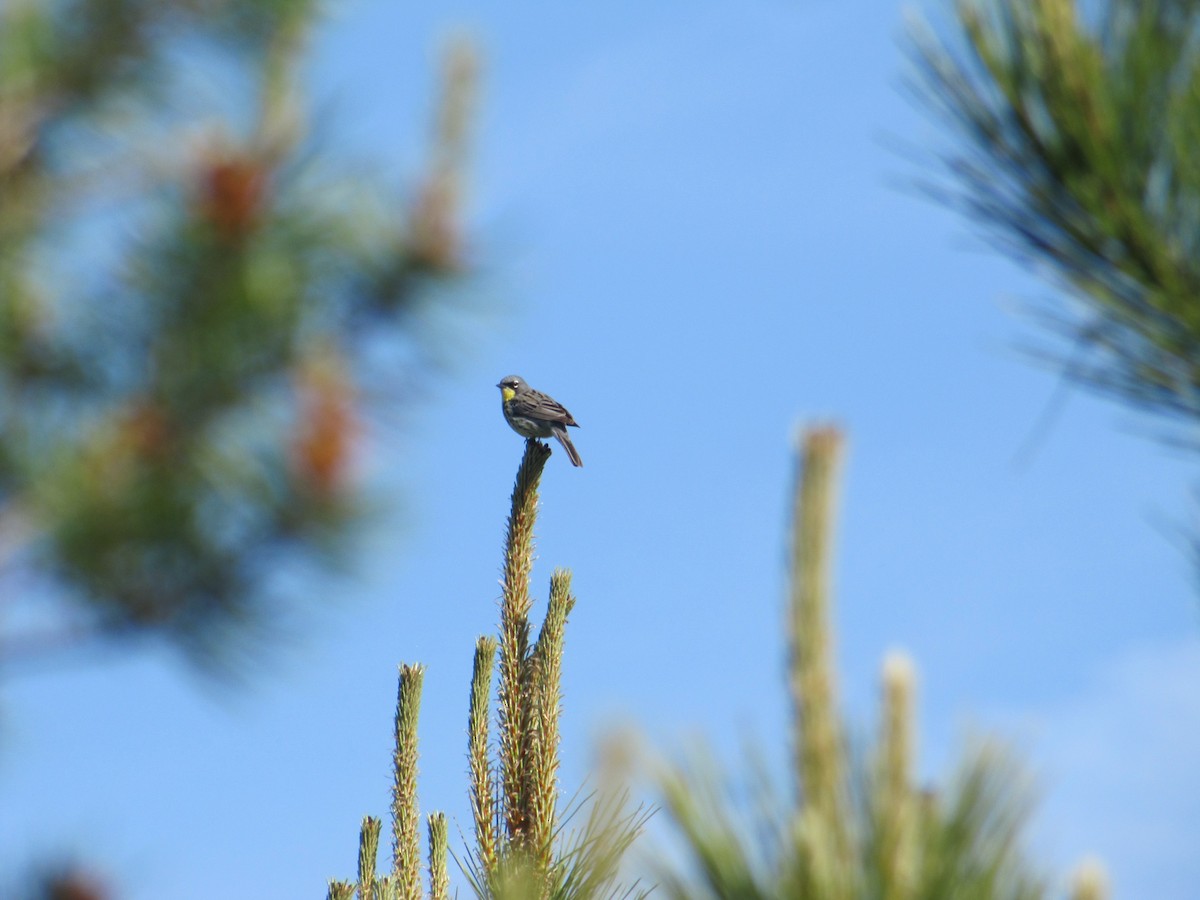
x,y
532,414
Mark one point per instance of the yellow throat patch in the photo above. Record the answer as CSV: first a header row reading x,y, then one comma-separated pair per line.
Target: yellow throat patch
x,y
507,393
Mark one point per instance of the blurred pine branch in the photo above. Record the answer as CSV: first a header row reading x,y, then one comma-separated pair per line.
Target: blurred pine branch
x,y
193,295
850,830
1076,128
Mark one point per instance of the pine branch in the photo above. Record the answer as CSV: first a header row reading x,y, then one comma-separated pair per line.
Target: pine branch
x,y
896,811
1090,881
406,842
522,849
820,761
1075,150
436,242
483,800
439,878
853,830
134,427
515,707
546,701
368,854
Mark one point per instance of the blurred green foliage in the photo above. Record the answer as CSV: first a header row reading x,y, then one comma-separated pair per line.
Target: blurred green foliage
x,y
1076,129
195,298
848,827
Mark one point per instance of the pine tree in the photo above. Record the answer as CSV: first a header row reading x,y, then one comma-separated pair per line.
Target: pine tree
x,y
198,297
522,849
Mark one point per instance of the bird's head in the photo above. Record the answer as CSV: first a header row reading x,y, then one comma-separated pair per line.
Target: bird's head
x,y
509,385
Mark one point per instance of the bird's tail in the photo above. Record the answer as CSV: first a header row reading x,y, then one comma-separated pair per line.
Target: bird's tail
x,y
561,434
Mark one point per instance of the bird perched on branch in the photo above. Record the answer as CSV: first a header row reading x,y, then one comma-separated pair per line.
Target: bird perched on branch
x,y
533,414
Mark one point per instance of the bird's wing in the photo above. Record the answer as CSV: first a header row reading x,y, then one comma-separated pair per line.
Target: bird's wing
x,y
540,406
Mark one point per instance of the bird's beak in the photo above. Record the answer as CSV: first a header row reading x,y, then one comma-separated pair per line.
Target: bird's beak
x,y
499,384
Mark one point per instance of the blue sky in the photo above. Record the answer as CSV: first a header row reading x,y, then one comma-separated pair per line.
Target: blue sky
x,y
695,204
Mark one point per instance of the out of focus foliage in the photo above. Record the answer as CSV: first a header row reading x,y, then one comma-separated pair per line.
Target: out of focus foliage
x,y
195,296
1078,126
850,828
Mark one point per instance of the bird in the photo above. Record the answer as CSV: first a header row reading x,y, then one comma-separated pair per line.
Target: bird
x,y
533,414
